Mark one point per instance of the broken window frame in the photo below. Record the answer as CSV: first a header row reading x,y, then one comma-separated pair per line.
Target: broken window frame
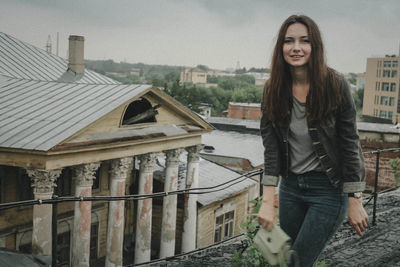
x,y
148,116
224,226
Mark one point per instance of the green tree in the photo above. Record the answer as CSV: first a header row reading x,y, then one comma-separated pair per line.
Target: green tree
x,y
245,79
130,79
203,67
353,78
241,71
227,83
171,76
358,97
212,79
156,79
264,70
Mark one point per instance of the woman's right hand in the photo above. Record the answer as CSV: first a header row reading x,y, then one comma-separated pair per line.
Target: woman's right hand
x,y
267,213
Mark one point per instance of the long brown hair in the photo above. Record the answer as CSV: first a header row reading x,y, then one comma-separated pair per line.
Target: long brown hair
x,y
323,95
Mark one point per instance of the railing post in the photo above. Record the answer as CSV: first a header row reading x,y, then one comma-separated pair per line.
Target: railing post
x,y
54,234
260,184
376,187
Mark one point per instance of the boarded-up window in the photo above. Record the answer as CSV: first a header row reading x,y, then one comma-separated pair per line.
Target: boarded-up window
x,y
64,183
139,111
24,185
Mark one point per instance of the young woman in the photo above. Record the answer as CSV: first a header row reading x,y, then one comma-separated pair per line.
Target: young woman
x,y
309,132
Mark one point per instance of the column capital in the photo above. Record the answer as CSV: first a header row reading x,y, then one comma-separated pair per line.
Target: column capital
x,y
193,153
147,162
43,181
120,167
173,155
85,174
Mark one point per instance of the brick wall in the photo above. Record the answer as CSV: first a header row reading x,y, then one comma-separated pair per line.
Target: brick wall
x,y
386,177
243,112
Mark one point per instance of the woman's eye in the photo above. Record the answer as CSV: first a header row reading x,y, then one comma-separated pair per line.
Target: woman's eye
x,y
306,41
287,41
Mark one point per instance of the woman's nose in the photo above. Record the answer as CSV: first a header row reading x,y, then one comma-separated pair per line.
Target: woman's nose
x,y
296,46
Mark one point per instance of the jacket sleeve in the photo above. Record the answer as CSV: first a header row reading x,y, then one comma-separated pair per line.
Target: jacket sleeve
x,y
349,140
271,153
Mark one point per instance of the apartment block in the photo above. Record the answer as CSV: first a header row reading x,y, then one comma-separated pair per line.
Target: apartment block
x,y
193,75
381,92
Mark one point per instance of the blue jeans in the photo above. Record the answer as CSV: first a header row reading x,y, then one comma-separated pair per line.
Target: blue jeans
x,y
310,212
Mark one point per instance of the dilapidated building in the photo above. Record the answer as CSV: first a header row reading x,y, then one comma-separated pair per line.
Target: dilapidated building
x,y
73,132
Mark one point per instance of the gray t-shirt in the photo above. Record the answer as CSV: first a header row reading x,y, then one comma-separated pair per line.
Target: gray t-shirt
x,y
301,153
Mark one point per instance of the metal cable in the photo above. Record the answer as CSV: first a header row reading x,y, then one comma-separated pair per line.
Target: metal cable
x,y
188,191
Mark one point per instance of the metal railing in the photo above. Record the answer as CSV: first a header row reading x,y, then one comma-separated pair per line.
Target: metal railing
x,y
374,196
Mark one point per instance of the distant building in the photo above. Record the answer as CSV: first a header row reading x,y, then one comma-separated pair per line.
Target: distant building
x,y
240,151
246,111
381,92
205,110
133,71
193,75
260,77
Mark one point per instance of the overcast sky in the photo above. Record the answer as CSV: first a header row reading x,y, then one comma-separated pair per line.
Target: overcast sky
x,y
216,33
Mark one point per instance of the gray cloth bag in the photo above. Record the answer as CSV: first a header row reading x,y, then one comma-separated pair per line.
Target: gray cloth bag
x,y
274,246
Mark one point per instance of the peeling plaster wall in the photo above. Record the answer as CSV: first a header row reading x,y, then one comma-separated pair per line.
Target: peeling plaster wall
x,y
16,223
206,217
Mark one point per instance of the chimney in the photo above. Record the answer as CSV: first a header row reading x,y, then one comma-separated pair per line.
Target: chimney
x,y
75,54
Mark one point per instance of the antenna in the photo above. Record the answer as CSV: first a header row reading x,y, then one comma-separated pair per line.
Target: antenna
x,y
48,45
237,65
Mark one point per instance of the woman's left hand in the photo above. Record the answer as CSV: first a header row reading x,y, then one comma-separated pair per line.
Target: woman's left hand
x,y
357,215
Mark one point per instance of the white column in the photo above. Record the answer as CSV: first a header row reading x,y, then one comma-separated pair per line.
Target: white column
x,y
43,183
168,227
84,176
190,204
144,210
115,227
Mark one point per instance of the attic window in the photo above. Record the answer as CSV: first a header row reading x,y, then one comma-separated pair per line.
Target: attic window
x,y
140,111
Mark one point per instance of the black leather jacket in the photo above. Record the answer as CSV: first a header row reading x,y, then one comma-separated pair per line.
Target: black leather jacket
x,y
335,141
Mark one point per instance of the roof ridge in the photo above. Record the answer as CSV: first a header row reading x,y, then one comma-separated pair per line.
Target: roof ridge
x,y
20,56
28,44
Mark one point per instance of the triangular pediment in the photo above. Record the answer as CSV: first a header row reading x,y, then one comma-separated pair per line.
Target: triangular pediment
x,y
172,120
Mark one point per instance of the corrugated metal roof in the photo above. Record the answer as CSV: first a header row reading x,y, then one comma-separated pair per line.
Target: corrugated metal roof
x,y
38,115
235,144
21,60
210,174
249,124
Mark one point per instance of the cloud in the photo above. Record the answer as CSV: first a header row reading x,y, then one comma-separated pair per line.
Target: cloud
x,y
213,32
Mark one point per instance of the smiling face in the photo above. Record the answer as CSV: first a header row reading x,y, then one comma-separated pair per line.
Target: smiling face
x,y
296,45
